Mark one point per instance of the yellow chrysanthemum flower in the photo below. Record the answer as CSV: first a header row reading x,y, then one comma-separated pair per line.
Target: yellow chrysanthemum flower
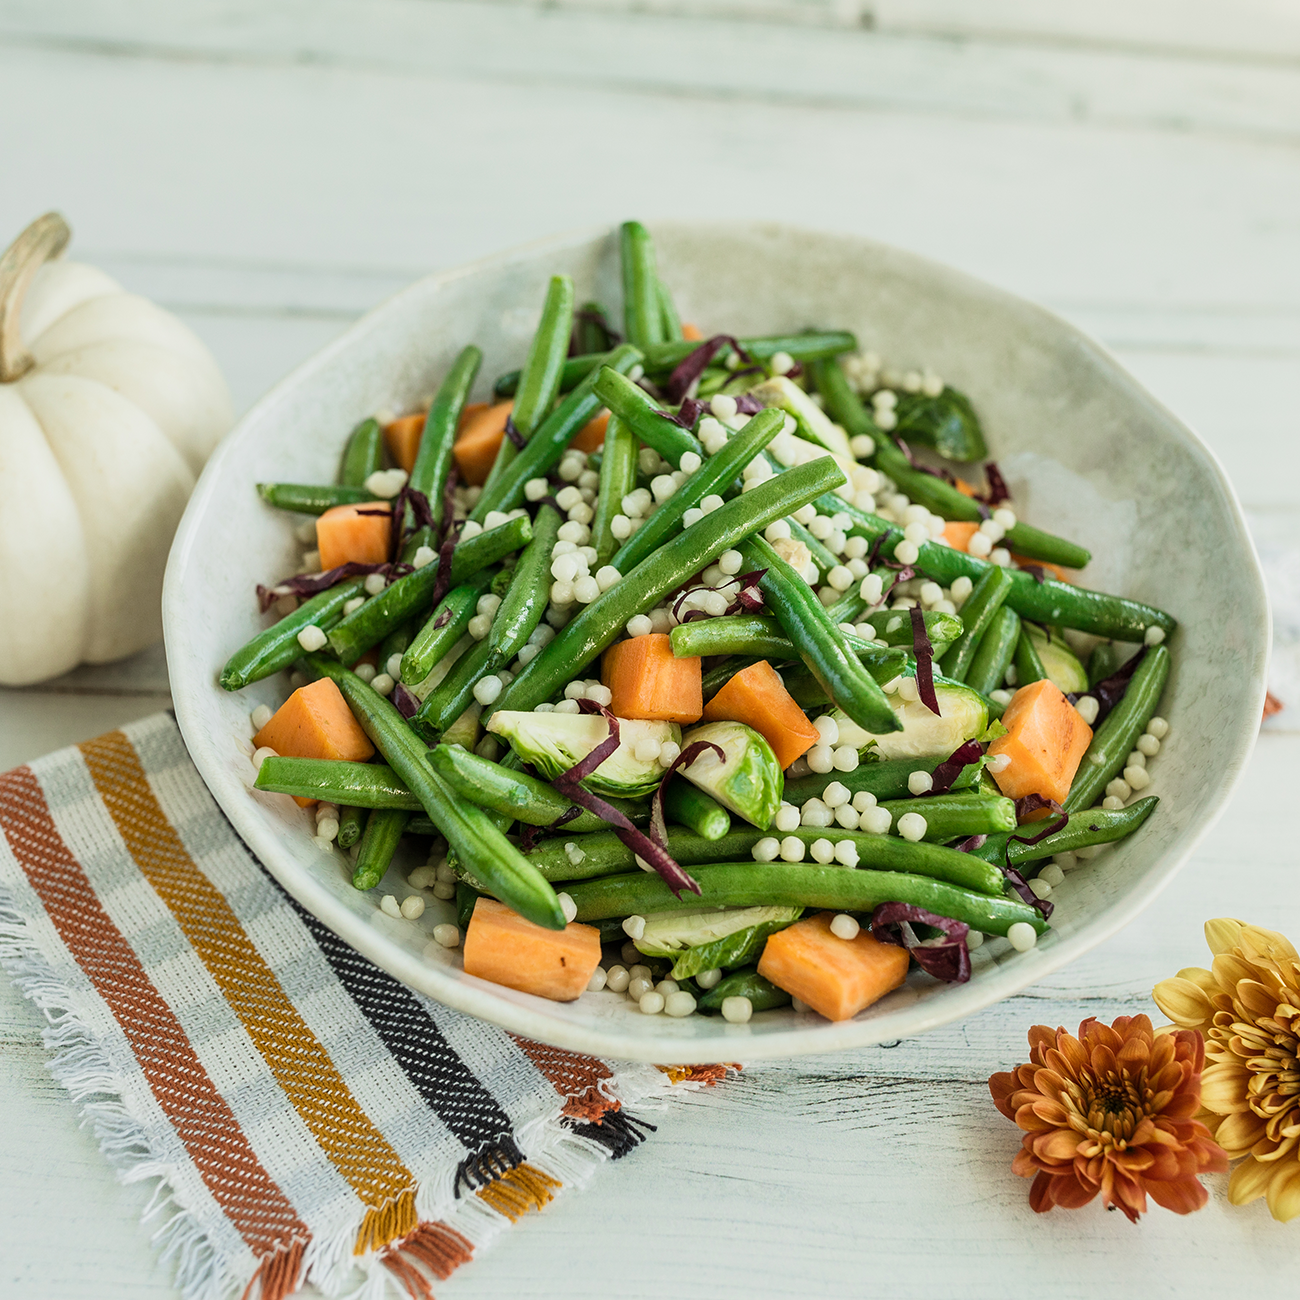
x,y
1248,1009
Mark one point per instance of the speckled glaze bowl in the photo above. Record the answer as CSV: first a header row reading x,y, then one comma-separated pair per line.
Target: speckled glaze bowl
x,y
1086,451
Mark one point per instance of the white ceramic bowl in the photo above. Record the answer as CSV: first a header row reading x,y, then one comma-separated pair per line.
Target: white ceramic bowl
x,y
1086,451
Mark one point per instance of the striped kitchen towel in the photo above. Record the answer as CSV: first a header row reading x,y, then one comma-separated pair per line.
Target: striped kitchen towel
x,y
309,1119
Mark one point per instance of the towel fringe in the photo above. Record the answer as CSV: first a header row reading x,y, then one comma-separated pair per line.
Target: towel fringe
x,y
617,1131
522,1189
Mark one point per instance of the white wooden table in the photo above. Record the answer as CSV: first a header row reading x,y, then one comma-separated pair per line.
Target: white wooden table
x,y
269,171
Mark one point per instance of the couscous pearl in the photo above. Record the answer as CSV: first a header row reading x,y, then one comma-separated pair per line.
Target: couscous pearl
x,y
1040,887
821,759
847,817
1066,861
846,853
863,800
586,589
634,927
1136,759
1000,697
792,849
768,849
1052,874
444,890
828,730
779,531
311,638
912,827
1138,777
979,546
835,794
920,782
638,986
646,750
487,689
639,625
669,751
262,715
787,818
961,588
567,906
1119,788
447,935
651,1003
413,907
737,1010
845,759
816,815
617,979
1111,804
667,986
681,1003
1158,728
908,552
620,527
974,939
383,684
422,877
390,907
1153,636
708,979
999,763
822,851
566,706
481,624
327,828
597,980
909,690
1000,556
692,517
374,583
877,821
1087,708
262,754
798,1006
638,970
1148,746
1022,936
366,672
840,578
844,926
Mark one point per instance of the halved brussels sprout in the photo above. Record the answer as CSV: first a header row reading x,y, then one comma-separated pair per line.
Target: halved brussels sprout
x,y
814,424
712,938
554,742
1060,663
748,782
963,716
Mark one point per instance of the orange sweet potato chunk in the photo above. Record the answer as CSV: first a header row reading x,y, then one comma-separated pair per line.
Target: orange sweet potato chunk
x,y
836,977
757,697
357,534
648,681
591,437
1046,740
958,534
501,946
478,441
315,722
403,439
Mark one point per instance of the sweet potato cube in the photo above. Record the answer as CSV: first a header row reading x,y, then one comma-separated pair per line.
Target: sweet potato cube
x,y
501,946
403,439
648,681
757,697
358,534
479,439
1046,740
315,722
592,434
958,533
836,977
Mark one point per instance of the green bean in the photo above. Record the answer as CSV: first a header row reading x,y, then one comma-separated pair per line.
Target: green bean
x,y
525,601
544,449
821,645
934,493
1104,661
358,785
894,626
850,607
522,797
444,627
433,460
712,478
1084,829
466,898
639,411
885,780
1113,741
351,824
540,378
763,995
821,556
362,454
587,635
642,313
276,647
762,636
590,332
379,841
350,638
454,694
469,831
689,806
808,691
955,816
751,884
604,853
307,499
671,322
397,642
1029,667
996,649
977,613
618,468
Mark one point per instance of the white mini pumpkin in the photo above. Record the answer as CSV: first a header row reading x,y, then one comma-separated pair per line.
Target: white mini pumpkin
x,y
109,407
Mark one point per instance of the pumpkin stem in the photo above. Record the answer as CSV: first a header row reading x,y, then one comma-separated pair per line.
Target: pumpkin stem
x,y
42,241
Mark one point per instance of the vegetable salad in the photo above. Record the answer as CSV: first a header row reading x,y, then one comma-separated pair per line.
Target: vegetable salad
x,y
720,673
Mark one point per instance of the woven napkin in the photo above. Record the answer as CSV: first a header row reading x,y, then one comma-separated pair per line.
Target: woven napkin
x,y
309,1118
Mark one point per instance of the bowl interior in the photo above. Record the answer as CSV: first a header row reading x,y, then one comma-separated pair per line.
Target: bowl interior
x,y
1086,451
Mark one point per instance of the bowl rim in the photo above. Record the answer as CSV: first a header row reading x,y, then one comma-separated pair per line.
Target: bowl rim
x,y
993,983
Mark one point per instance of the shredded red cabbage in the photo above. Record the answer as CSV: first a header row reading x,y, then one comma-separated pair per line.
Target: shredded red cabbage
x,y
946,956
952,767
693,365
924,652
1110,691
748,404
971,844
1035,571
443,581
312,584
658,823
1021,886
570,785
513,434
404,702
998,492
1033,803
749,598
420,513
591,316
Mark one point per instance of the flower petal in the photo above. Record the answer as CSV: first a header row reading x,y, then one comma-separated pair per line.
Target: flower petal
x,y
1249,1181
1284,1193
1239,1132
1183,1195
1223,1089
1222,934
1183,1002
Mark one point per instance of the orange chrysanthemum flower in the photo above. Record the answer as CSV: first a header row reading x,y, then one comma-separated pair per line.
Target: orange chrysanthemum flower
x,y
1248,1008
1111,1111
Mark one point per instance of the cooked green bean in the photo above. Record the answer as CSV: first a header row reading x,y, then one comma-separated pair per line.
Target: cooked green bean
x,y
358,785
894,626
352,822
808,691
522,797
444,627
762,636
618,466
544,449
466,897
1029,667
763,995
1084,829
751,884
643,321
1114,740
671,322
638,410
996,649
379,841
955,816
524,604
309,499
469,831
590,331
352,636
276,647
712,478
540,378
821,645
454,694
977,613
604,853
433,459
886,780
850,607
1104,662
362,454
689,806
600,622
